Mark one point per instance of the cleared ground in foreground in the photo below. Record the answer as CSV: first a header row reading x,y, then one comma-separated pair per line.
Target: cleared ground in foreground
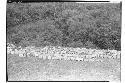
x,y
35,69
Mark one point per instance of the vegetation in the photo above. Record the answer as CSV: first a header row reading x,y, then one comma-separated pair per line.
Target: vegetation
x,y
89,25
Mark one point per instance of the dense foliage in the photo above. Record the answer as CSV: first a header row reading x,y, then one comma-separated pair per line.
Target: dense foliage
x,y
89,25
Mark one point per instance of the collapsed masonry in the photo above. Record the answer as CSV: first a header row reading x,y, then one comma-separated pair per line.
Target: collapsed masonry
x,y
51,52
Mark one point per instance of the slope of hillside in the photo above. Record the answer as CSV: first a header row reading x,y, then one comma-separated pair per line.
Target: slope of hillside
x,y
63,41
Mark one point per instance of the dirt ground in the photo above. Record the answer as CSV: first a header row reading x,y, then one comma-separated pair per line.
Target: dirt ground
x,y
36,69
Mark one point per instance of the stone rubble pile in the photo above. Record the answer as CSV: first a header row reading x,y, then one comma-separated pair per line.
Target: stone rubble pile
x,y
61,53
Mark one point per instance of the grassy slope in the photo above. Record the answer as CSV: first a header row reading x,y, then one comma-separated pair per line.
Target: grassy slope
x,y
28,69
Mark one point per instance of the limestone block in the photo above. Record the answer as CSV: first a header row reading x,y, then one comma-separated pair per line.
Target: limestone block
x,y
21,55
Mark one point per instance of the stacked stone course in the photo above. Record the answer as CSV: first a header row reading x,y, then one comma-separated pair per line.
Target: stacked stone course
x,y
61,53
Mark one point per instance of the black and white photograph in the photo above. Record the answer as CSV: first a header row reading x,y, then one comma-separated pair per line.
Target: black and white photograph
x,y
63,41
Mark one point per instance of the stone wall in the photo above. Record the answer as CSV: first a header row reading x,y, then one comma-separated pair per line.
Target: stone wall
x,y
61,53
